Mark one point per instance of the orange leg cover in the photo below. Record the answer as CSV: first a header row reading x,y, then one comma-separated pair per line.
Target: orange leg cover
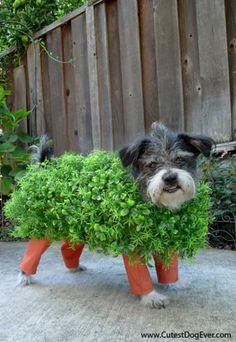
x,y
70,254
36,248
33,253
139,277
169,274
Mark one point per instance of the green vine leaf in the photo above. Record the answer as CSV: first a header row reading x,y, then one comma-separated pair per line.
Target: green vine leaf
x,y
7,147
5,185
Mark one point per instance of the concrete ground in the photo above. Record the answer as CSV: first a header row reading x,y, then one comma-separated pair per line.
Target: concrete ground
x,y
96,305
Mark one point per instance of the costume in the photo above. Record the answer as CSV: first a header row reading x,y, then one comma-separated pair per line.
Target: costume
x,y
36,248
138,275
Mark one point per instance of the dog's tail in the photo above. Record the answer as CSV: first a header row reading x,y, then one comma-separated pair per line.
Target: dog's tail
x,y
43,151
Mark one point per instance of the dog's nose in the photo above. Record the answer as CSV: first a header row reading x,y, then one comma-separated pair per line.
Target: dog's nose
x,y
170,178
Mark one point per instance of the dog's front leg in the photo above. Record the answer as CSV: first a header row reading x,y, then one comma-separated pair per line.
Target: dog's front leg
x,y
154,299
141,284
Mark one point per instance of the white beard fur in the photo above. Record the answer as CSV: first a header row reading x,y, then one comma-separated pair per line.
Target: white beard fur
x,y
172,201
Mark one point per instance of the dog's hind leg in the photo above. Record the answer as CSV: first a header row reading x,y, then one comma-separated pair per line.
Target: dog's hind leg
x,y
71,256
31,259
80,268
141,284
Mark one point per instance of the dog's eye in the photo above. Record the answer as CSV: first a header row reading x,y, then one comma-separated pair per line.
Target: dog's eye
x,y
180,160
152,165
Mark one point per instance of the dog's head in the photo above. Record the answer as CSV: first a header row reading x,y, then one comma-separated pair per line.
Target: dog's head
x,y
164,164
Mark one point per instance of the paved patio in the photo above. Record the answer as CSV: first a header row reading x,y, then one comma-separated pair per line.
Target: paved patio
x,y
96,305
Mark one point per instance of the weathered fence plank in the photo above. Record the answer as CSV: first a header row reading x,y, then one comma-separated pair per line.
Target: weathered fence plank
x,y
56,80
114,62
20,92
83,124
215,112
35,90
103,78
169,76
93,77
131,68
69,89
32,83
46,94
148,57
231,36
190,65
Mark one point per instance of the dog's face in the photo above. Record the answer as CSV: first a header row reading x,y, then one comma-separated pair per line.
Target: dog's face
x,y
164,165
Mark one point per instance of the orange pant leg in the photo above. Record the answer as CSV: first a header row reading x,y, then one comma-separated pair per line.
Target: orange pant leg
x,y
33,253
70,254
139,277
169,274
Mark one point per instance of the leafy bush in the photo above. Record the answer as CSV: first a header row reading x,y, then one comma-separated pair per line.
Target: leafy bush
x,y
220,173
95,200
6,233
13,157
20,18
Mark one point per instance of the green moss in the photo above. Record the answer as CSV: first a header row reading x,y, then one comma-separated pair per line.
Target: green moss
x,y
95,200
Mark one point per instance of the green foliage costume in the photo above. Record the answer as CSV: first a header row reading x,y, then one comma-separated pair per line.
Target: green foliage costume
x,y
94,200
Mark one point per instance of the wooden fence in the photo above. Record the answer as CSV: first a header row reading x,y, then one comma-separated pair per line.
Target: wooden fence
x,y
127,63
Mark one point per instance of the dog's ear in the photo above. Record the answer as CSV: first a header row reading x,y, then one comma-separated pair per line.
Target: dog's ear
x,y
130,154
198,143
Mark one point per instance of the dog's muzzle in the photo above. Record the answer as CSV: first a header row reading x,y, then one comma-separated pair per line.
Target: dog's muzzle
x,y
171,188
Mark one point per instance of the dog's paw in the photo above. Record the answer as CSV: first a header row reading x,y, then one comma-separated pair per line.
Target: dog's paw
x,y
155,300
80,268
179,285
23,279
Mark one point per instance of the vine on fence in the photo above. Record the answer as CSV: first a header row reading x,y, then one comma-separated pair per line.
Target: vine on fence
x,y
20,19
33,15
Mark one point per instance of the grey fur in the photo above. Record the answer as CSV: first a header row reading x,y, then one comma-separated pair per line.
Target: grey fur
x,y
41,152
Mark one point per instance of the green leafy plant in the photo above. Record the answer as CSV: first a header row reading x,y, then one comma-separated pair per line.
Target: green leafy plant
x,y
13,157
94,200
220,173
21,18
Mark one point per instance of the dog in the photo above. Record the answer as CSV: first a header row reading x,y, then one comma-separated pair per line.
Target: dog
x,y
163,164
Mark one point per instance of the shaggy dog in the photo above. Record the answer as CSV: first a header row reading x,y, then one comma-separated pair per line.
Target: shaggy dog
x,y
163,164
